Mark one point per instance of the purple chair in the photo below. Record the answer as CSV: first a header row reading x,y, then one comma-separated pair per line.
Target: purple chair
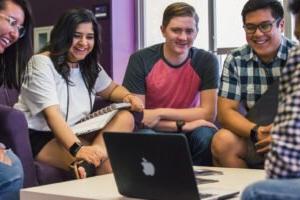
x,y
14,134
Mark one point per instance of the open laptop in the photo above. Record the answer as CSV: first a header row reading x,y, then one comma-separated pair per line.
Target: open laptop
x,y
155,166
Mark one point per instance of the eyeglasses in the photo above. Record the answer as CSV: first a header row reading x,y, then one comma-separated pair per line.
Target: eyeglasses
x,y
264,27
13,23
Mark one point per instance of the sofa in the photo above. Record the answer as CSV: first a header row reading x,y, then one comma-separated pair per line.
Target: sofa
x,y
14,134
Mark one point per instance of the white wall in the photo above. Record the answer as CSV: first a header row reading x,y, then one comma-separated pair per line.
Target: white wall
x,y
230,31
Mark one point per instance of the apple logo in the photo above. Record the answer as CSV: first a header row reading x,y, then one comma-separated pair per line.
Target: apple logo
x,y
148,167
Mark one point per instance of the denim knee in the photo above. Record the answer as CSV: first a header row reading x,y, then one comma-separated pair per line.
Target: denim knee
x,y
200,142
273,189
11,177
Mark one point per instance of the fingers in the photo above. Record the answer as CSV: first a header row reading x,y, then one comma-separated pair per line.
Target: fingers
x,y
4,158
91,154
263,146
266,129
263,150
137,105
209,124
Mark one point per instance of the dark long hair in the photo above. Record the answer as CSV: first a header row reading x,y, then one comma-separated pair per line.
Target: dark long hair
x,y
14,59
253,5
61,39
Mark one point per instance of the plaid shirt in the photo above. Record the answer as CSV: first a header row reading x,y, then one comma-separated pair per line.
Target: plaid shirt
x,y
283,161
245,78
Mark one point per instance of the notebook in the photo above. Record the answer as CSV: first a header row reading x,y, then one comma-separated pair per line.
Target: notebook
x,y
98,119
155,166
265,109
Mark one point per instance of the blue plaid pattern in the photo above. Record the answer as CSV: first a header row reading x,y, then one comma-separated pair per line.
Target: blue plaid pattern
x,y
283,161
245,78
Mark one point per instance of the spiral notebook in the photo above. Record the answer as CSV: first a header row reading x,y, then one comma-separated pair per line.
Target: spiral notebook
x,y
98,119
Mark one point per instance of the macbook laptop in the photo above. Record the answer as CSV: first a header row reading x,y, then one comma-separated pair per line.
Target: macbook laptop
x,y
155,166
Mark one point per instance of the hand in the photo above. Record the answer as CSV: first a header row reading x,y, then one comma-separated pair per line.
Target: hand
x,y
91,154
190,126
264,139
263,146
4,158
151,118
136,103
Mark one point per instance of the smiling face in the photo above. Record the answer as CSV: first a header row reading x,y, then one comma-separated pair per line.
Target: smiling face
x,y
265,45
83,42
8,33
179,35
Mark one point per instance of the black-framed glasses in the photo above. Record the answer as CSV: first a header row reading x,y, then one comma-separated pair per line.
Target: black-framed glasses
x,y
264,27
13,23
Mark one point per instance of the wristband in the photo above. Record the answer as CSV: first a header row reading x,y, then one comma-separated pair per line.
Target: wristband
x,y
75,148
179,125
253,134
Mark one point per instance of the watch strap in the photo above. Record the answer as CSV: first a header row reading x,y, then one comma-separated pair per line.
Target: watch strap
x,y
75,148
253,134
179,125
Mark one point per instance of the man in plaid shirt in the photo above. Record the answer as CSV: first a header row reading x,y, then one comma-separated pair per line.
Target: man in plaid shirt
x,y
248,72
283,161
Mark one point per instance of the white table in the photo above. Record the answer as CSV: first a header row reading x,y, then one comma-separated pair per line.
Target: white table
x,y
104,187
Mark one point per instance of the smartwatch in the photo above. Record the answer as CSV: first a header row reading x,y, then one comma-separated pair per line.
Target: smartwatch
x,y
179,125
75,148
253,134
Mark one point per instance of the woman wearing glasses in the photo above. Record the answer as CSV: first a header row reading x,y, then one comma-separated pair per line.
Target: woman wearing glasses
x,y
15,50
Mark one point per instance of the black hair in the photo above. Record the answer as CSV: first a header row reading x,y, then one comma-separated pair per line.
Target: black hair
x,y
14,59
294,6
61,39
253,5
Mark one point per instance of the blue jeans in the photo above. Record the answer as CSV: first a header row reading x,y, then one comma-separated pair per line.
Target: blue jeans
x,y
273,189
11,178
199,141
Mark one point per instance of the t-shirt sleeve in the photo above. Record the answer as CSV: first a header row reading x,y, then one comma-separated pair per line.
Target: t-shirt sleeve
x,y
134,79
39,89
102,81
230,85
207,66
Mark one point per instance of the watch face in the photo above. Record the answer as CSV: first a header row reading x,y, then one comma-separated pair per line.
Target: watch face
x,y
75,148
180,123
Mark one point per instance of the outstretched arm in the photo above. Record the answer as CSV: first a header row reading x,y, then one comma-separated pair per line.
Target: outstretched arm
x,y
118,93
64,134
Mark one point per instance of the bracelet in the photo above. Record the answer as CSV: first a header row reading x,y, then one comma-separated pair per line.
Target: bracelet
x,y
109,96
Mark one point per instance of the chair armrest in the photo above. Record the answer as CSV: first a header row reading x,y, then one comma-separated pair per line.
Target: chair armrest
x,y
14,134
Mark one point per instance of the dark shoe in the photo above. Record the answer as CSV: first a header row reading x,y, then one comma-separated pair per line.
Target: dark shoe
x,y
89,168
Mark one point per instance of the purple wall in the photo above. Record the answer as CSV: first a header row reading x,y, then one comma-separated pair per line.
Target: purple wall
x,y
124,36
118,30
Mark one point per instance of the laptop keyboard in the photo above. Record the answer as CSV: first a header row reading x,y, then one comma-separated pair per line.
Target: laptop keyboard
x,y
205,195
204,180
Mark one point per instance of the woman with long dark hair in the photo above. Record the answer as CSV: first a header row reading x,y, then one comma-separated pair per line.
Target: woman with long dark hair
x,y
15,51
60,88
15,42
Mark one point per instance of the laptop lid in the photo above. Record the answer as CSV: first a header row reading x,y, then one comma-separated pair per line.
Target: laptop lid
x,y
144,166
